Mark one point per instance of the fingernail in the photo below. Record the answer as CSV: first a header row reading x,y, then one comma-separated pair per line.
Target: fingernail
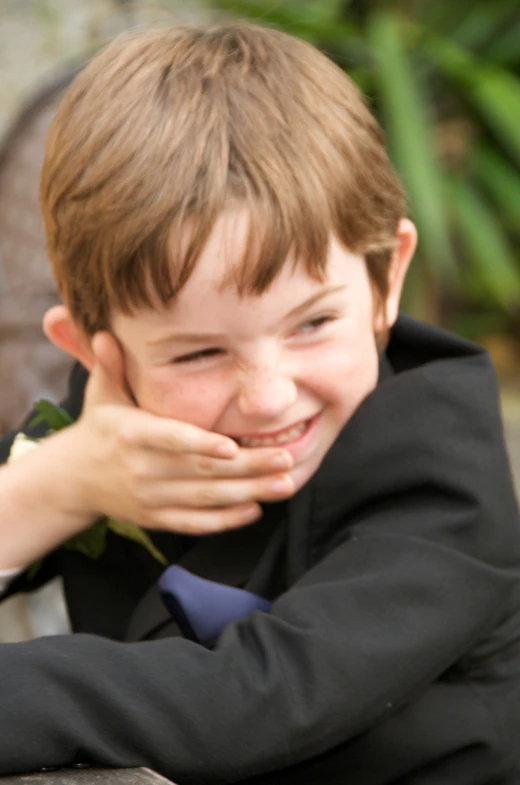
x,y
226,449
250,513
280,461
280,484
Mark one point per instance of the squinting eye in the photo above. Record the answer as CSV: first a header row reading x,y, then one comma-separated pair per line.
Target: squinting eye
x,y
194,356
314,324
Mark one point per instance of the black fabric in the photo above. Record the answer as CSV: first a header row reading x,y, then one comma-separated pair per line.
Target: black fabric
x,y
213,558
392,652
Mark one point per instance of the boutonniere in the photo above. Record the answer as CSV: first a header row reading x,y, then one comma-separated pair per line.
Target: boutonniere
x,y
92,541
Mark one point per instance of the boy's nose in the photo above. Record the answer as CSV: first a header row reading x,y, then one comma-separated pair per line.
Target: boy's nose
x,y
266,395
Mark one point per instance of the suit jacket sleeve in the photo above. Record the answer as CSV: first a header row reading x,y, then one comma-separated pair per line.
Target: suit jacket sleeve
x,y
419,573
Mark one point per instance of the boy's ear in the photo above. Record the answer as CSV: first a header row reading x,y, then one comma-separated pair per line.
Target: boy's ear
x,y
61,330
406,244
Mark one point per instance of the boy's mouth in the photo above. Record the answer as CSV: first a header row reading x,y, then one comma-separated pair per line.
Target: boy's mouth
x,y
290,434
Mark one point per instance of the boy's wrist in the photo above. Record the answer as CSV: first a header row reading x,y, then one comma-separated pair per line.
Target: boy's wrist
x,y
42,501
71,494
56,477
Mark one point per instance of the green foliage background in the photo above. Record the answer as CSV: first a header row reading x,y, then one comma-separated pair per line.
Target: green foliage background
x,y
444,79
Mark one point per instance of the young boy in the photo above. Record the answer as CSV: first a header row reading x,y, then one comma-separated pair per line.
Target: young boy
x,y
230,242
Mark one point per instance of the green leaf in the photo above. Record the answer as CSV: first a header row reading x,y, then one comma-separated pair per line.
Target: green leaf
x,y
486,244
501,180
312,21
133,532
503,49
33,570
443,17
493,90
410,139
483,22
91,542
497,93
55,417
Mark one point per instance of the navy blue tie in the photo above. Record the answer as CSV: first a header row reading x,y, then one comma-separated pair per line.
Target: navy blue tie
x,y
202,608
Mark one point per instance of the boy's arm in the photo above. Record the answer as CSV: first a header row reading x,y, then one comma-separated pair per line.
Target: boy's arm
x,y
424,567
39,495
39,500
363,634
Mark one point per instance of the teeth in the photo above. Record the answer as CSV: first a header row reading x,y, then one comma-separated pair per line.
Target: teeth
x,y
270,441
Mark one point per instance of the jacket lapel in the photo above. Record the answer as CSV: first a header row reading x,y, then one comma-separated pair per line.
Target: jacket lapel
x,y
232,558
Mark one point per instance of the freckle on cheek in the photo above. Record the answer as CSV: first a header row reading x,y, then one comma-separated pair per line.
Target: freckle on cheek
x,y
194,404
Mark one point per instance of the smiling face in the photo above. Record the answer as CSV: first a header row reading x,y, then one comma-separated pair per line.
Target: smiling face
x,y
289,366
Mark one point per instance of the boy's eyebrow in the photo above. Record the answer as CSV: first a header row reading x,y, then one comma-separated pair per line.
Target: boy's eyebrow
x,y
314,299
203,337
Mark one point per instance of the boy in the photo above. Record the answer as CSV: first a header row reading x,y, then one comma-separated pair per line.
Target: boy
x,y
230,242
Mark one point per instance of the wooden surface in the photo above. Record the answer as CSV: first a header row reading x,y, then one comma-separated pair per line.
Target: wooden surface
x,y
511,410
88,776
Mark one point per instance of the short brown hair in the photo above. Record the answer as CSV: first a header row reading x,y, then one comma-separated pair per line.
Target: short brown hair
x,y
166,127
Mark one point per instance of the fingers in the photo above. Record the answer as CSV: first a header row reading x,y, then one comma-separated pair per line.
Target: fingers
x,y
161,498
248,462
167,474
107,383
215,493
175,437
252,462
202,521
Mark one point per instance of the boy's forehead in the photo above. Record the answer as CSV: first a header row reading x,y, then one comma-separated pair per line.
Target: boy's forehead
x,y
233,253
235,241
213,288
207,306
213,284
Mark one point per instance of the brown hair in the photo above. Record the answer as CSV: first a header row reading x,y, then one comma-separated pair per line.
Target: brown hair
x,y
165,128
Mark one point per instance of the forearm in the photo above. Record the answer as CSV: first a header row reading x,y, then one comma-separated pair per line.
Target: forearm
x,y
364,632
41,503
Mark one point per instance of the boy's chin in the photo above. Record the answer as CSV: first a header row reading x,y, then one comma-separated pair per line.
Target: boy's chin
x,y
301,474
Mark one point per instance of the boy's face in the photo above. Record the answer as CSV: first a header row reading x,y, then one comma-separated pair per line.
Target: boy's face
x,y
289,366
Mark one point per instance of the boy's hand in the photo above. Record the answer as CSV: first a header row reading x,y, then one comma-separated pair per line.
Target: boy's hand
x,y
162,473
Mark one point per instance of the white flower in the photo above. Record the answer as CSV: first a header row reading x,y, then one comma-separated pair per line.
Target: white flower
x,y
21,446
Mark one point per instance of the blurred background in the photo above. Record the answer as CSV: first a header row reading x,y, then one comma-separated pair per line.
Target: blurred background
x,y
444,79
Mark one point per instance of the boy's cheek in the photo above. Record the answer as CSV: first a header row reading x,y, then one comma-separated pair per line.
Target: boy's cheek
x,y
196,404
348,370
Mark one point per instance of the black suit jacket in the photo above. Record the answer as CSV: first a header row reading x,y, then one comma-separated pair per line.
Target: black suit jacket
x,y
391,654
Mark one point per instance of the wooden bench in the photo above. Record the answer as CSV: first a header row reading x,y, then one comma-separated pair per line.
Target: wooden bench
x,y
88,776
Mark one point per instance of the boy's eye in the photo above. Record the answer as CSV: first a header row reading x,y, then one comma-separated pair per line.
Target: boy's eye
x,y
315,324
312,325
200,355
